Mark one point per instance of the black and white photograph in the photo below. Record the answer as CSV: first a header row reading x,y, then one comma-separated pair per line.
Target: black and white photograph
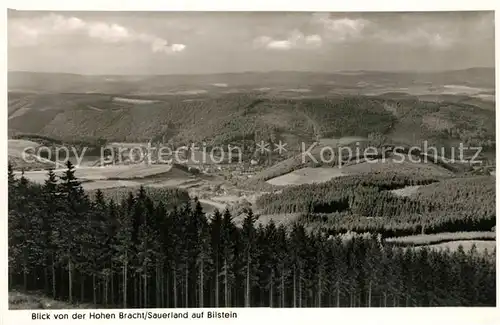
x,y
268,159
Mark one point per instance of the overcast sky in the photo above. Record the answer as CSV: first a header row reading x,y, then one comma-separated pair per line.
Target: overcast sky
x,y
195,42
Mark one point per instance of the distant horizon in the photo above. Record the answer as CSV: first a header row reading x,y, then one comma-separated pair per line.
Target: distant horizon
x,y
257,72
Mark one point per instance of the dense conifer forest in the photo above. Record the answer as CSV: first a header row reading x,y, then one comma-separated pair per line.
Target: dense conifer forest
x,y
141,252
365,203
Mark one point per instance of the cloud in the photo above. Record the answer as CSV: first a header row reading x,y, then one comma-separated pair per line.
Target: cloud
x,y
314,40
108,33
340,29
279,45
30,32
328,30
295,39
344,29
178,47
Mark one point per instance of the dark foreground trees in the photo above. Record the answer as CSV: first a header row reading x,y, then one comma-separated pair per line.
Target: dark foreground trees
x,y
138,253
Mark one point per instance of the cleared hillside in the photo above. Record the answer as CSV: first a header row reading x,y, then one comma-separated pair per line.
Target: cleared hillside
x,y
21,158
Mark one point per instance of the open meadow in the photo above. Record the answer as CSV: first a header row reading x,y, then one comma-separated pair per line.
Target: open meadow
x,y
443,237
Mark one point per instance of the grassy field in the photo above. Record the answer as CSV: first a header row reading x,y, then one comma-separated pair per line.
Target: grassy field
x,y
16,147
103,184
352,148
129,145
407,191
176,182
307,175
303,160
116,172
125,176
227,199
18,163
481,245
134,100
443,237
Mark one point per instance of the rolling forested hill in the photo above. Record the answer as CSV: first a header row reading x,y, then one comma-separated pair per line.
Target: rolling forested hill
x,y
242,109
232,118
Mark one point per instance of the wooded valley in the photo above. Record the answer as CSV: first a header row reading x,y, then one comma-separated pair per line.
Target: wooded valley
x,y
139,252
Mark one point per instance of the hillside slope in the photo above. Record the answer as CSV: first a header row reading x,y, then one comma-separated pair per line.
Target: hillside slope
x,y
237,118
